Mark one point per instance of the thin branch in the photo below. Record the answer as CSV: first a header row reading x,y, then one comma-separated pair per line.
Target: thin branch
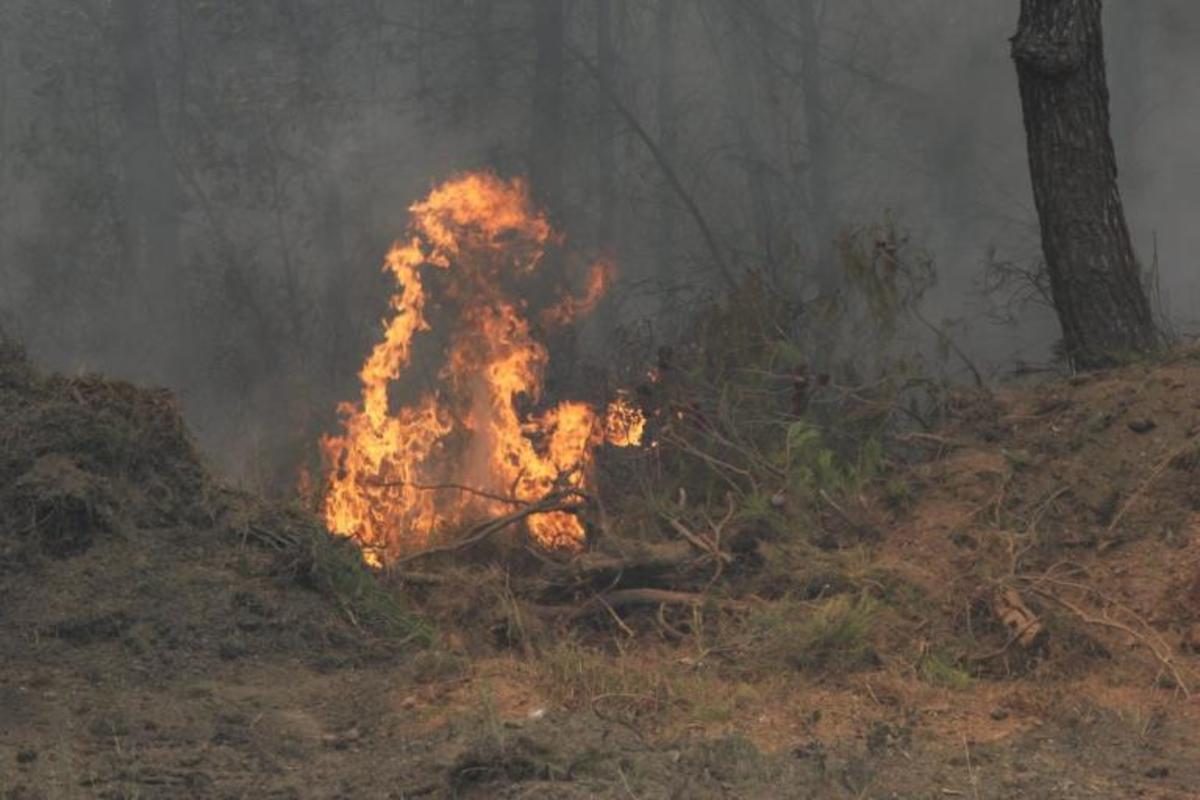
x,y
440,487
557,501
664,164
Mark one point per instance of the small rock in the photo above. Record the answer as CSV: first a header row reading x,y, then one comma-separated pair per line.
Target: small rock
x,y
26,756
1142,425
409,702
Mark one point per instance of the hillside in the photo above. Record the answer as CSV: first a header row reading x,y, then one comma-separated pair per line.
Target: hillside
x,y
164,637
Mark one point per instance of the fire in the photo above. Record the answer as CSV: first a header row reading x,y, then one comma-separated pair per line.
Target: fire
x,y
477,445
624,423
570,308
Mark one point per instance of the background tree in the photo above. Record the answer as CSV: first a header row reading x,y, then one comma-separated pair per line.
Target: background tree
x,y
1094,276
546,143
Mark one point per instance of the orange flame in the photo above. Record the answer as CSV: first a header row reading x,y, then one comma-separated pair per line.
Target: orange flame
x,y
396,478
624,423
568,309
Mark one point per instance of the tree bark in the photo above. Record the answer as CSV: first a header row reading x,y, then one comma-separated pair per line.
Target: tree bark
x,y
668,133
606,127
669,174
546,144
5,192
820,151
745,72
1094,275
153,197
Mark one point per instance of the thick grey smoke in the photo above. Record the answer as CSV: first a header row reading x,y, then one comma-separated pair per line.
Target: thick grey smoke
x,y
199,194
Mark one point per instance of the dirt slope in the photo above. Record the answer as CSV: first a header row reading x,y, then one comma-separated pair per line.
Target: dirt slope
x,y
153,644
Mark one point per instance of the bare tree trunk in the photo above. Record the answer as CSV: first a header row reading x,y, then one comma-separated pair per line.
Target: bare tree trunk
x,y
741,89
606,128
668,132
1094,275
313,40
5,192
820,151
546,145
154,197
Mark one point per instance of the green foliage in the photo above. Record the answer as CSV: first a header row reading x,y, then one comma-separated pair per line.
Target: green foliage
x,y
435,664
889,275
753,413
337,570
835,636
940,670
898,494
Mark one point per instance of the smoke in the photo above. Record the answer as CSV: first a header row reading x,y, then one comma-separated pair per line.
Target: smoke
x,y
218,226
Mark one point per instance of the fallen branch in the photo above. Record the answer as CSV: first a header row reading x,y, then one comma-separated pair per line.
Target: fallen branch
x,y
564,501
664,164
1149,639
442,487
1158,470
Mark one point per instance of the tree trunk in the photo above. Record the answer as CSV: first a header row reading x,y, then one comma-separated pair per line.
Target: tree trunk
x,y
745,72
312,37
606,127
546,145
1094,275
153,195
820,155
668,134
5,192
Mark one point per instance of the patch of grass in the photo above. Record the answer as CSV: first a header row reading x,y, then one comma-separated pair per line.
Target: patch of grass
x,y
722,703
337,570
15,371
433,665
898,494
578,675
732,760
1019,458
835,636
331,565
494,756
643,693
940,670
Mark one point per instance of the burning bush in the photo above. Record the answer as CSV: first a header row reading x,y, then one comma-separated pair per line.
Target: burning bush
x,y
484,441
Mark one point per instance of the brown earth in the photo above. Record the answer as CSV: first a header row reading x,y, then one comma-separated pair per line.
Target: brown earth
x,y
154,643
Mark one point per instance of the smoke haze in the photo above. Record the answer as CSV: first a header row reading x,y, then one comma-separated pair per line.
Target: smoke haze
x,y
199,193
